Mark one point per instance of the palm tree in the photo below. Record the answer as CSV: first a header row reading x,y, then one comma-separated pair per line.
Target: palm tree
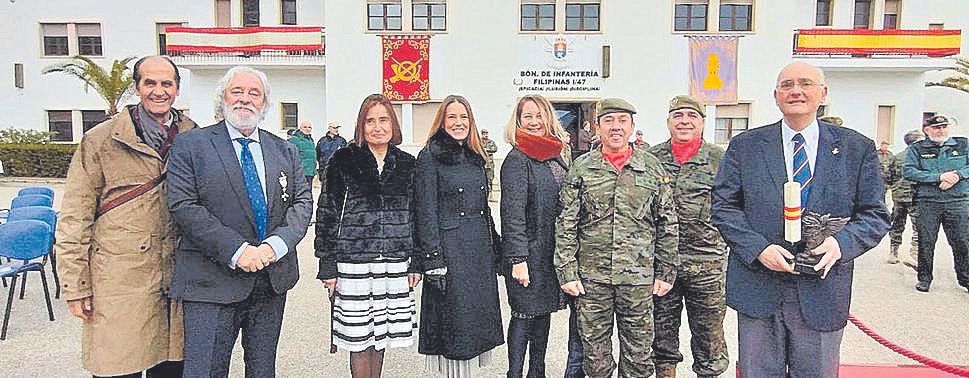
x,y
959,81
113,86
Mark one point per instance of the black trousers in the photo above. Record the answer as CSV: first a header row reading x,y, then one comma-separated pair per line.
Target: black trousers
x,y
167,369
953,216
211,330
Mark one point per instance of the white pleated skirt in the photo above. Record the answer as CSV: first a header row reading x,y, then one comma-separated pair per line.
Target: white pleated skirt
x,y
373,306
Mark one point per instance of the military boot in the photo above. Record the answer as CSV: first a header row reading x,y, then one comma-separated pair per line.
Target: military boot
x,y
665,370
893,256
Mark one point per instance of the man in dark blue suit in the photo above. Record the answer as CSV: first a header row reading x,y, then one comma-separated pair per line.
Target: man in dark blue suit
x,y
241,201
791,325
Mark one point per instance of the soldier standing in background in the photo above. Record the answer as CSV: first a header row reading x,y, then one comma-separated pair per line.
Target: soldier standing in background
x,y
903,205
692,164
616,244
490,148
885,158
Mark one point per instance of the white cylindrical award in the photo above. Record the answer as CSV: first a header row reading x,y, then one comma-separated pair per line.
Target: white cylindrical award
x,y
792,211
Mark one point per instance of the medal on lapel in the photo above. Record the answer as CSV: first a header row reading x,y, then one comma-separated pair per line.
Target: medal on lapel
x,y
283,183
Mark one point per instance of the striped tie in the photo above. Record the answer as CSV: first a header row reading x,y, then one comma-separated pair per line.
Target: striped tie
x,y
802,168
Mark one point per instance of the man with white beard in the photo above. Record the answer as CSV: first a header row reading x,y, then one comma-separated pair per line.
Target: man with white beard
x,y
939,166
242,203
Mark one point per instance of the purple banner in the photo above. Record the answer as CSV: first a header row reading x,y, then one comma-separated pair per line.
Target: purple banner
x,y
713,69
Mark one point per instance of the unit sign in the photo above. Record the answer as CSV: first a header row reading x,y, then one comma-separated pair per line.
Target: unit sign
x,y
563,65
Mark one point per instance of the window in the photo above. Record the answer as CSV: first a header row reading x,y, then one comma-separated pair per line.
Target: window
x,y
582,17
735,17
892,8
290,115
90,118
384,16
287,9
223,13
885,124
423,116
862,14
59,122
690,17
429,16
160,28
55,39
731,121
18,75
538,17
89,39
822,15
250,13
938,26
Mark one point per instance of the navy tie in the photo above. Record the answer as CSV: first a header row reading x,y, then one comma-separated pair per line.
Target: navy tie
x,y
802,168
254,187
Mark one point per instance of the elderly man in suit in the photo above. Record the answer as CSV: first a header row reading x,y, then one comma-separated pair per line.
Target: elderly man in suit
x,y
239,196
792,325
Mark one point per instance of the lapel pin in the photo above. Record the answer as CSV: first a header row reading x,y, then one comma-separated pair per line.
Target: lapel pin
x,y
835,151
283,183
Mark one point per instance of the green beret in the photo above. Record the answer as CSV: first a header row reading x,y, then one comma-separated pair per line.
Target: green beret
x,y
613,105
686,102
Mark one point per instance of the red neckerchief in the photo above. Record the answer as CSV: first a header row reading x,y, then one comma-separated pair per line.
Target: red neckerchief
x,y
618,159
683,151
540,148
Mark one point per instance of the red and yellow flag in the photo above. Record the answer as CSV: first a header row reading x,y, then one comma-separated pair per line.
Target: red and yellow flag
x,y
405,64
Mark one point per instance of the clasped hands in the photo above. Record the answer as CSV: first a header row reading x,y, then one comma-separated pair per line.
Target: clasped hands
x,y
948,180
778,259
254,259
575,288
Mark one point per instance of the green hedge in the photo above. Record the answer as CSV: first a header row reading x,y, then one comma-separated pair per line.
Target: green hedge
x,y
36,160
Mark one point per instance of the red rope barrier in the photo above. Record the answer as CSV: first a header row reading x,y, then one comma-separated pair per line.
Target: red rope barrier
x,y
907,353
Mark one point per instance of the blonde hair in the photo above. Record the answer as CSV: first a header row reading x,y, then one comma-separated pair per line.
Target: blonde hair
x,y
473,139
552,126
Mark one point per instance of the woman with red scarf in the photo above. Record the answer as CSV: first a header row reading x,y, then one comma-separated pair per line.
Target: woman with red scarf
x,y
530,179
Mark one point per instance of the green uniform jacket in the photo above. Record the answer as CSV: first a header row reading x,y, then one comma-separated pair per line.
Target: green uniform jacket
x,y
616,228
307,152
692,183
902,190
925,161
885,164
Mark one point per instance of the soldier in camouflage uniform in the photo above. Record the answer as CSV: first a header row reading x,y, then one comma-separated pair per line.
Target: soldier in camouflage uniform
x,y
904,205
490,148
885,159
692,163
616,244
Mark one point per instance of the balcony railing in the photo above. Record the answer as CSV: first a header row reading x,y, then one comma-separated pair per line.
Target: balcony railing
x,y
867,42
269,44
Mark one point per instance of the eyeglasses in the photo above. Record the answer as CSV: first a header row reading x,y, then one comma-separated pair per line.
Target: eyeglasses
x,y
805,84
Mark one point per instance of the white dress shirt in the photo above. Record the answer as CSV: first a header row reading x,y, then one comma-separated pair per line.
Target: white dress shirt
x,y
275,242
811,134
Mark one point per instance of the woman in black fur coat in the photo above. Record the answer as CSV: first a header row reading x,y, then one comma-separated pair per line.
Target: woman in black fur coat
x,y
460,314
365,240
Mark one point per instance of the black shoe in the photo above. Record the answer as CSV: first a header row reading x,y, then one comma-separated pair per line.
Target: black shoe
x,y
922,286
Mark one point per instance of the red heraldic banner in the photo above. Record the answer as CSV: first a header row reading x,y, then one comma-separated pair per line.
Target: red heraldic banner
x,y
406,61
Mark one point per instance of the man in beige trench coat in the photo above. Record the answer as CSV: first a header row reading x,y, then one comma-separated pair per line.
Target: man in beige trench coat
x,y
115,236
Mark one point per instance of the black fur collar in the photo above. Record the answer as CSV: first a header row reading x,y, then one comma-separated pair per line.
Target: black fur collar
x,y
448,151
363,165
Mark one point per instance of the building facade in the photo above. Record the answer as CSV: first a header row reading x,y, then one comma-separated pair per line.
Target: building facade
x,y
876,55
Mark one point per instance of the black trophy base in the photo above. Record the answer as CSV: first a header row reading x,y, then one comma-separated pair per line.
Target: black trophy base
x,y
804,261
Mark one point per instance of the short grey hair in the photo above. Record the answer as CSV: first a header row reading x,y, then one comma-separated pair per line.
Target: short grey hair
x,y
224,82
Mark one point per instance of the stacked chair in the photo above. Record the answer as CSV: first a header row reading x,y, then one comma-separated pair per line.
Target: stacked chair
x,y
26,242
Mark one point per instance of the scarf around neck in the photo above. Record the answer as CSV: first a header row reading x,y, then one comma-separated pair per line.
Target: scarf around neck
x,y
683,151
540,148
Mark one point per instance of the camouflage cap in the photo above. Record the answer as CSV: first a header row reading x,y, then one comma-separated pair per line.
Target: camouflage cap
x,y
613,105
936,120
834,120
686,102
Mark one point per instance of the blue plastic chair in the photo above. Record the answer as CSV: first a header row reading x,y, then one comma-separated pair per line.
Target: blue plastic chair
x,y
43,190
23,241
31,200
49,216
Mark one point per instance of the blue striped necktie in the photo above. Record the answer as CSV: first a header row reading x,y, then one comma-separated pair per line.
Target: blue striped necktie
x,y
254,187
802,168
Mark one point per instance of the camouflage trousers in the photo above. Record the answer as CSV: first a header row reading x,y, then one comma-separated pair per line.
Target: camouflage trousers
x,y
700,285
900,212
630,307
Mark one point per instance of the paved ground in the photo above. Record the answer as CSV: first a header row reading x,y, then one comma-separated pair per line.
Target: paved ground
x,y
933,324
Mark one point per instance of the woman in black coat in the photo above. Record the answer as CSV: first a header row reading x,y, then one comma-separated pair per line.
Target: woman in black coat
x,y
530,179
365,240
460,313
